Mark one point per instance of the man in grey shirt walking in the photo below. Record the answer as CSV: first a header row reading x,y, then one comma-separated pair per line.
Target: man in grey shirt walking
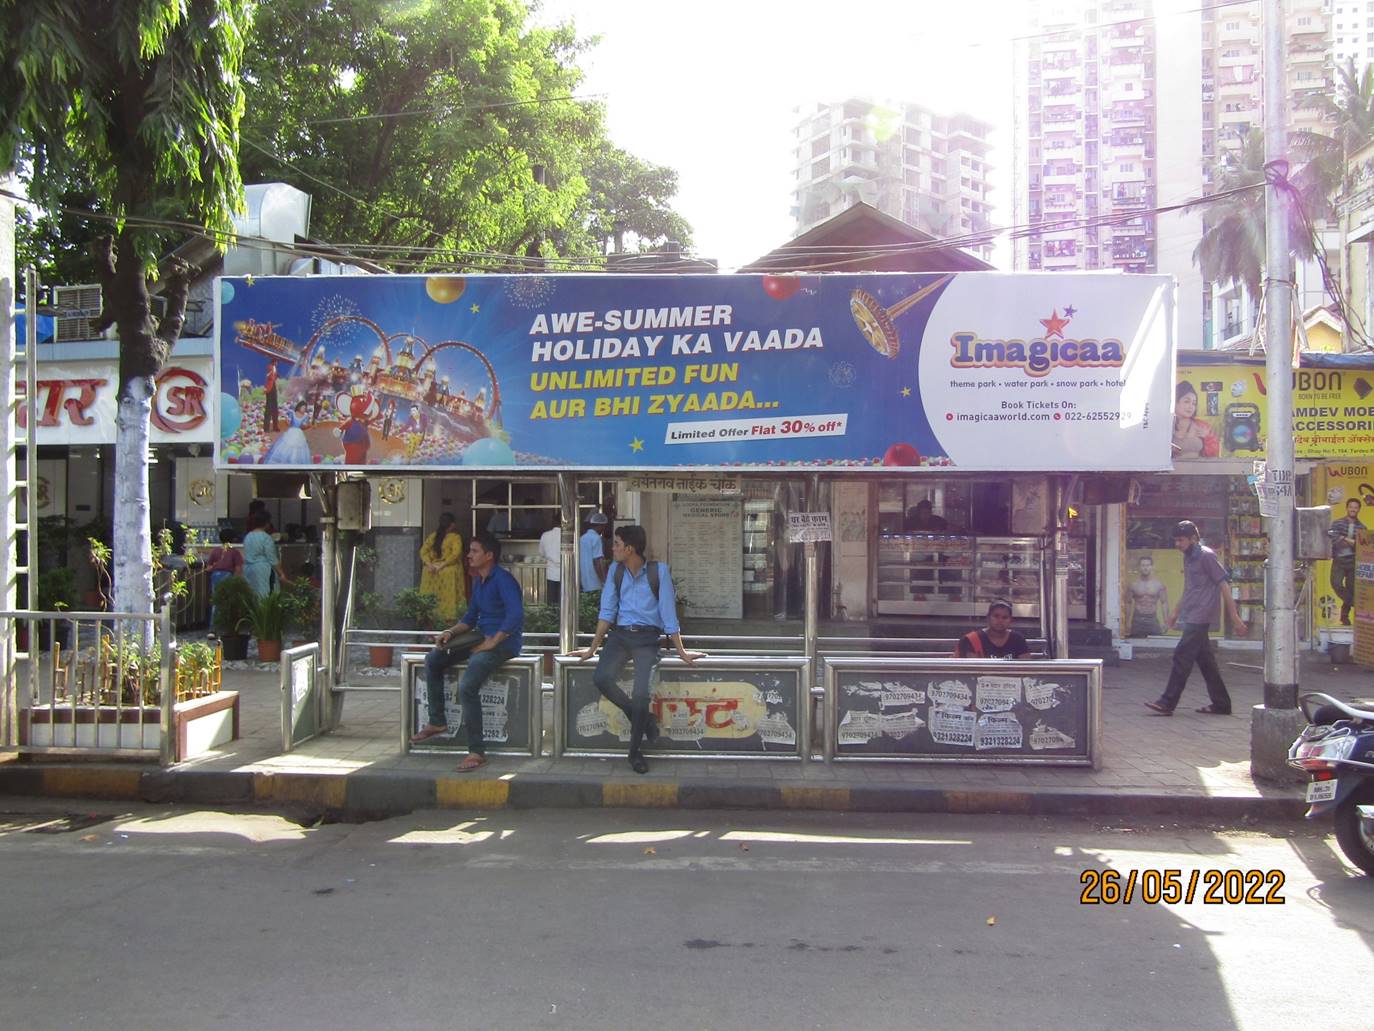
x,y
1203,577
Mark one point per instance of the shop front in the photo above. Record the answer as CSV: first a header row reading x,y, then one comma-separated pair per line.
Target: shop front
x,y
75,432
1219,447
943,425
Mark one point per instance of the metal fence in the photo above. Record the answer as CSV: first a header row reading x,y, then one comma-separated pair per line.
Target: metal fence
x,y
96,691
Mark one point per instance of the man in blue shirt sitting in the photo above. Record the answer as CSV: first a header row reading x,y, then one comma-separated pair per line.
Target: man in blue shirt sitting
x,y
637,608
497,612
591,562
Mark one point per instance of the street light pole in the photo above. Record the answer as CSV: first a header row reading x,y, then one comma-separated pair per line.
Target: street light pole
x,y
1272,726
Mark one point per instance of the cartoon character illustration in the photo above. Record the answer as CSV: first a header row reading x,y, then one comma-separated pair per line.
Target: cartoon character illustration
x,y
355,432
291,448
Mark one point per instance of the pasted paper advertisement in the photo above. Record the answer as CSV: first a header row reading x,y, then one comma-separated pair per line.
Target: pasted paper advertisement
x,y
860,371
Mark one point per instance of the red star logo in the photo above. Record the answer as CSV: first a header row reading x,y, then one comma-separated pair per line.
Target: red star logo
x,y
1054,325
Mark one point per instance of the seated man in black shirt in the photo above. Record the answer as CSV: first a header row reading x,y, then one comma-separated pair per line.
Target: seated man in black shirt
x,y
997,641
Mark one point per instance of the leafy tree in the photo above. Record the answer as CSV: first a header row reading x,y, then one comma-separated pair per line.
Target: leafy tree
x,y
140,101
438,126
1350,114
628,196
1232,248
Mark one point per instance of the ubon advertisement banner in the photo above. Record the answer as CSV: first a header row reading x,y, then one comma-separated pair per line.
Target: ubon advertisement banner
x,y
1222,412
976,371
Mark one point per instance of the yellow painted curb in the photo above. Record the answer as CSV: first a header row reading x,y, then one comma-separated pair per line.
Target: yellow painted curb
x,y
987,801
96,782
642,796
465,793
799,796
329,790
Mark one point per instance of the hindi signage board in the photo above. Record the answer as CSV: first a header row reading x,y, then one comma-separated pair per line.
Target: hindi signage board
x,y
512,719
713,707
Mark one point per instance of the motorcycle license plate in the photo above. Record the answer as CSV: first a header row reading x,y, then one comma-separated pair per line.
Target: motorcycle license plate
x,y
1321,791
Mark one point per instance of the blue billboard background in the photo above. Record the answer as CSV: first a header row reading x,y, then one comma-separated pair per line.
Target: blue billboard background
x,y
415,372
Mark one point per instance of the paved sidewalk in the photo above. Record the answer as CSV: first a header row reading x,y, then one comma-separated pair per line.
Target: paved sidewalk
x,y
1187,765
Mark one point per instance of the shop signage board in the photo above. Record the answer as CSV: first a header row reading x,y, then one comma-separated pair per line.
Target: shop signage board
x,y
684,483
808,527
77,406
714,707
972,371
512,721
1364,597
1221,413
954,710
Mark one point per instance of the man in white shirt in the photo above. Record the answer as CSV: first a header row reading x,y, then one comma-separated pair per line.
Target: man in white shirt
x,y
591,560
551,550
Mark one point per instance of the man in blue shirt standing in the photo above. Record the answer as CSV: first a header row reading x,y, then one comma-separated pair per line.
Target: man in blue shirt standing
x,y
1203,580
591,560
638,607
497,612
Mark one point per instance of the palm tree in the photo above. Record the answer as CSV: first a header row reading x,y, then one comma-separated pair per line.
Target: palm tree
x,y
1350,113
1232,248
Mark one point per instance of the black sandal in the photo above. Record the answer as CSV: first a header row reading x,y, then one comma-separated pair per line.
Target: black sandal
x,y
1158,709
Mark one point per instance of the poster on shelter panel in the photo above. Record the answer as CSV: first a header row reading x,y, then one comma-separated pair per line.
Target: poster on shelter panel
x,y
978,371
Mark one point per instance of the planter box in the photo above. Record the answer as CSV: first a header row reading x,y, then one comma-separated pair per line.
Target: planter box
x,y
200,725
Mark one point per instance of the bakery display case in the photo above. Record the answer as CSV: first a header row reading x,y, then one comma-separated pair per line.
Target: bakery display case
x,y
1008,569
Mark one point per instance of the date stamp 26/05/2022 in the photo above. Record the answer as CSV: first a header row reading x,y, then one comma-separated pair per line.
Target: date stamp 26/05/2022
x,y
1176,886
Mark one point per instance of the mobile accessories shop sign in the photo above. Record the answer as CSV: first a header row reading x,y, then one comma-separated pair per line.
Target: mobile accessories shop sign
x,y
976,371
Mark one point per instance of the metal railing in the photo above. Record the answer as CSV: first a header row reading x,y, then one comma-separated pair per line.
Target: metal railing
x,y
93,693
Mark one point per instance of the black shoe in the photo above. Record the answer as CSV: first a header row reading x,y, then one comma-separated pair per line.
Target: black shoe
x,y
651,731
638,764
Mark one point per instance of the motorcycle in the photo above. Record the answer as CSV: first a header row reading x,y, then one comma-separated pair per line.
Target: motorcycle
x,y
1336,751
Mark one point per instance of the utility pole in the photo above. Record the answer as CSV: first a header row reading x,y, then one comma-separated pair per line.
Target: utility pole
x,y
1274,724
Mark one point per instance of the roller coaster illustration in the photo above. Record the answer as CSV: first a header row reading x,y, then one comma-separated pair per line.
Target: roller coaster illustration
x,y
403,369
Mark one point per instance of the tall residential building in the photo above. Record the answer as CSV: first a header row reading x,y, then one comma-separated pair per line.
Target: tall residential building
x,y
1352,31
927,169
1123,106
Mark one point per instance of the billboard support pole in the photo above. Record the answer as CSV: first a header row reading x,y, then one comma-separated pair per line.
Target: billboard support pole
x,y
1274,724
811,571
567,549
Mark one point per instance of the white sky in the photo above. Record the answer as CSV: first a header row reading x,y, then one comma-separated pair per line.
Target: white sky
x,y
708,88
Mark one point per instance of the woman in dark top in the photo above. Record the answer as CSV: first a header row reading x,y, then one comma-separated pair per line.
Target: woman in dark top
x,y
996,641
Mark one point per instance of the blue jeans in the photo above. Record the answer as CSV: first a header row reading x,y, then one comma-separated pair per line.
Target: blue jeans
x,y
621,646
480,666
216,578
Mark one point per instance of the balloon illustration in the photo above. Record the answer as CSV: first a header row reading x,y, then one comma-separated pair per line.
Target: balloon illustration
x,y
488,451
445,289
902,454
780,288
230,416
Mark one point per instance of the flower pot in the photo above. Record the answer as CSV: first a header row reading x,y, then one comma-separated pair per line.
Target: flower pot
x,y
269,651
234,647
379,657
299,641
93,601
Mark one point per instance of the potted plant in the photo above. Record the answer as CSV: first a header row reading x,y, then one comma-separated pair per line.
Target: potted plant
x,y
198,670
234,601
56,593
416,607
302,601
268,620
380,616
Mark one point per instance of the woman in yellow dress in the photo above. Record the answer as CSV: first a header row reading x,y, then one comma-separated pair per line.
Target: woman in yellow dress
x,y
442,555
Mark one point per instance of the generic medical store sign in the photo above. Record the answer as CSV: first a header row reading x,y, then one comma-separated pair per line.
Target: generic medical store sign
x,y
976,371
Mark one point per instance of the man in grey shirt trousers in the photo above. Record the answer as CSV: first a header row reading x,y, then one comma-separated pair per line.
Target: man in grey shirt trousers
x,y
1203,580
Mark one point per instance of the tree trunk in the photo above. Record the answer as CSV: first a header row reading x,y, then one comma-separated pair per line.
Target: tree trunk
x,y
143,350
133,557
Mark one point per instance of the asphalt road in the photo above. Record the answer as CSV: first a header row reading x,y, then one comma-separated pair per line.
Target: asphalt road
x,y
174,918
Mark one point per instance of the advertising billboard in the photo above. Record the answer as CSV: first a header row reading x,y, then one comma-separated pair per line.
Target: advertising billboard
x,y
974,371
